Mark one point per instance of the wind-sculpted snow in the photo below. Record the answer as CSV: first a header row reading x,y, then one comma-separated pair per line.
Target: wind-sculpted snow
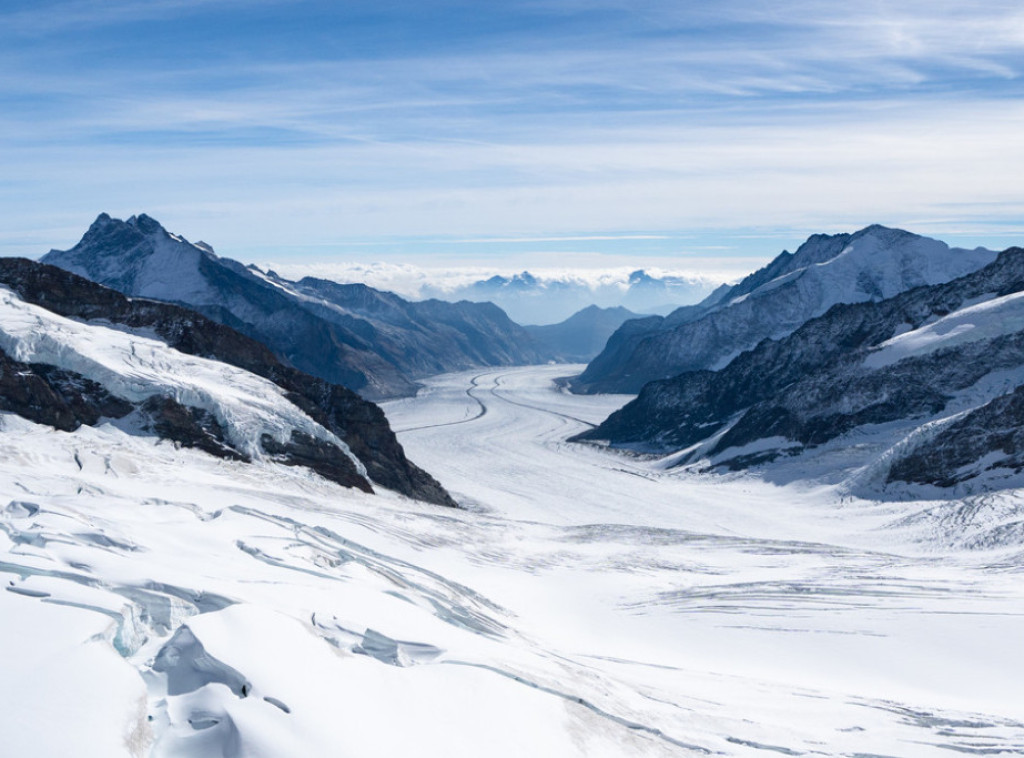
x,y
160,602
871,265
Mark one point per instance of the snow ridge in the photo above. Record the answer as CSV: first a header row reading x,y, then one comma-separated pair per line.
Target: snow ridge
x,y
136,368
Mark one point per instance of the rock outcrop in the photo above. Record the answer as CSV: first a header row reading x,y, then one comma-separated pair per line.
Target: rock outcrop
x,y
66,401
948,357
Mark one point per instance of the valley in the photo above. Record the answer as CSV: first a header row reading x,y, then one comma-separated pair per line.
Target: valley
x,y
616,607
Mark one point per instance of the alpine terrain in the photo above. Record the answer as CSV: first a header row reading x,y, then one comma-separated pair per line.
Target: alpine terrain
x,y
581,336
74,353
812,547
372,342
870,265
924,387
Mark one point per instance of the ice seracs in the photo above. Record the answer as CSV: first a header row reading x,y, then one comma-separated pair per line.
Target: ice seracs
x,y
75,352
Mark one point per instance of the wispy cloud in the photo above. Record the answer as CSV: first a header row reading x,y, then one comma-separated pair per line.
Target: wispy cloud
x,y
560,121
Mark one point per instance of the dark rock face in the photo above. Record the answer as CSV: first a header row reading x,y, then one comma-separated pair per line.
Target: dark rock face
x,y
49,395
870,265
190,427
357,422
817,384
319,456
988,438
372,342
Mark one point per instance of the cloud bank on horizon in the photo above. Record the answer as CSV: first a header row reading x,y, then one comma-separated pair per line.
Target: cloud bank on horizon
x,y
537,296
299,127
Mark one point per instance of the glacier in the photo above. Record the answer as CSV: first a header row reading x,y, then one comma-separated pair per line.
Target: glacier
x,y
582,602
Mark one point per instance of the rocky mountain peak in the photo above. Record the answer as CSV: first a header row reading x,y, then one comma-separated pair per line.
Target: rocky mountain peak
x,y
146,224
371,341
871,264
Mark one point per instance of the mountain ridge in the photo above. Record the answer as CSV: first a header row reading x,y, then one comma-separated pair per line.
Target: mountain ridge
x,y
583,335
928,355
871,264
306,323
358,423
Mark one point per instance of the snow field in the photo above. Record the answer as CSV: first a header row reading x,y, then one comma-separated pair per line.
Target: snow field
x,y
584,603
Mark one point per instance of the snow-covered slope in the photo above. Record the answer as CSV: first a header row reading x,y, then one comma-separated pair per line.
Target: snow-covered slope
x,y
870,265
373,342
161,602
137,368
73,352
893,380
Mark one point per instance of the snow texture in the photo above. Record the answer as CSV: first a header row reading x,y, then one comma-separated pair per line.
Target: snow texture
x,y
159,602
871,265
135,367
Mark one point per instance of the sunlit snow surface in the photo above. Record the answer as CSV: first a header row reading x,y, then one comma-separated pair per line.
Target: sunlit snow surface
x,y
161,602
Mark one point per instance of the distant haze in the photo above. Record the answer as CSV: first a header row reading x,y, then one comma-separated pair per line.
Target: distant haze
x,y
538,296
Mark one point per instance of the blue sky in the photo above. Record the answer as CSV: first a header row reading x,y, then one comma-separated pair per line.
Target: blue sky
x,y
680,134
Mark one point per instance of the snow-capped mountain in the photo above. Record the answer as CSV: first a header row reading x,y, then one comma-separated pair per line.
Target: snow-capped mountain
x,y
924,387
870,265
73,352
169,600
547,298
581,336
373,342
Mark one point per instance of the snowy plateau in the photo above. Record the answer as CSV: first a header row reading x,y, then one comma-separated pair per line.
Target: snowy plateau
x,y
163,602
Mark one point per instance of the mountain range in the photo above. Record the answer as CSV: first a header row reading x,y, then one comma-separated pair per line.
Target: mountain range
x,y
372,342
870,265
925,387
537,299
581,336
73,352
894,339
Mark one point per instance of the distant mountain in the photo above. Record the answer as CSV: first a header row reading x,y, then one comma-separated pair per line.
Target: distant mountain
x,y
926,387
373,342
870,265
581,336
73,352
534,299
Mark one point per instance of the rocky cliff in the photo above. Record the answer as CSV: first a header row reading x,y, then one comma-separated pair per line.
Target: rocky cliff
x,y
65,398
931,373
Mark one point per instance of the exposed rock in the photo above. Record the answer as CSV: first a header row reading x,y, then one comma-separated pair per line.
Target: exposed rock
x,y
190,427
986,439
357,422
320,456
821,382
372,342
49,395
873,264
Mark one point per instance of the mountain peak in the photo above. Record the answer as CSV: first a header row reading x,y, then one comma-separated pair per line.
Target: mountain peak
x,y
887,234
145,224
